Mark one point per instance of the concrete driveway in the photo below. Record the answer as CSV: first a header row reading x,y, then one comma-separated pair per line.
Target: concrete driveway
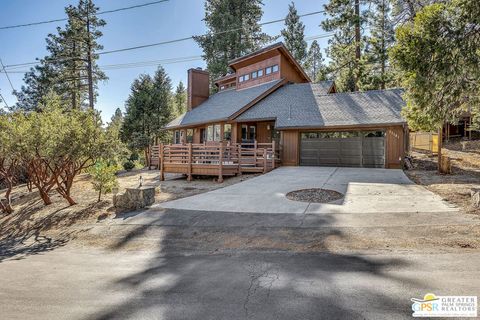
x,y
365,190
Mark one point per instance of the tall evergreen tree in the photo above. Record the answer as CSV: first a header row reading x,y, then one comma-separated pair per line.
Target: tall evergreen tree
x,y
149,108
180,99
344,21
438,57
233,31
378,74
294,34
314,63
72,54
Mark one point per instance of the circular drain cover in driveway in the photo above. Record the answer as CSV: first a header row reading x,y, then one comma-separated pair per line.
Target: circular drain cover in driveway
x,y
316,195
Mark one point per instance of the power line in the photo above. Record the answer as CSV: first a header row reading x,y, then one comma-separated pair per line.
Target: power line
x,y
6,74
99,13
14,67
3,99
176,40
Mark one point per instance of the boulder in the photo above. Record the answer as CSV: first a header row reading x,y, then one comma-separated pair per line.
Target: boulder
x,y
134,199
475,193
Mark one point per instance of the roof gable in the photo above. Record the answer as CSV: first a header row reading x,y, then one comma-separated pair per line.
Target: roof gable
x,y
223,105
309,105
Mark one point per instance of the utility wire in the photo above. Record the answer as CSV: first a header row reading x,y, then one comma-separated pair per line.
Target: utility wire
x,y
14,67
3,99
175,40
99,13
6,74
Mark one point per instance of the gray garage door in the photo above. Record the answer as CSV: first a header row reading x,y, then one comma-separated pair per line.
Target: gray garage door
x,y
344,149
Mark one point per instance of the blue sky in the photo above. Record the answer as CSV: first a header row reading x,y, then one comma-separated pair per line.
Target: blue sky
x,y
160,22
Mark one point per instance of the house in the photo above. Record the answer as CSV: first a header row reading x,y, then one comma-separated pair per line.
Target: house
x,y
270,99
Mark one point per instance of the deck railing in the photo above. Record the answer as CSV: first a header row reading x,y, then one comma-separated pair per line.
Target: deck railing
x,y
215,159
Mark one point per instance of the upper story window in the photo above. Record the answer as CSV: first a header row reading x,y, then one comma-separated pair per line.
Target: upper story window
x,y
254,74
240,79
272,69
246,77
260,72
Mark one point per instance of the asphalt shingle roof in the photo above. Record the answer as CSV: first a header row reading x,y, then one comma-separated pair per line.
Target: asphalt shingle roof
x,y
307,105
222,105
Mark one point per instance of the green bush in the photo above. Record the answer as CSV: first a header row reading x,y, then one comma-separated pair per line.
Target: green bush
x,y
129,165
104,178
134,156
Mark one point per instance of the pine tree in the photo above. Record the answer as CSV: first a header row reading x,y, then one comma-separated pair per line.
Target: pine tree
x,y
72,53
379,75
314,63
233,31
294,34
149,108
345,47
180,99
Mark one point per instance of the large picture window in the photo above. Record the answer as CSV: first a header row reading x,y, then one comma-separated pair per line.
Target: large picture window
x,y
189,135
210,133
227,132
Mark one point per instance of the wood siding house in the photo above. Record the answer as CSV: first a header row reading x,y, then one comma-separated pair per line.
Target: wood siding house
x,y
269,99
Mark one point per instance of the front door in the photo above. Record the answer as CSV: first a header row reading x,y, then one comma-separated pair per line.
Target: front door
x,y
249,133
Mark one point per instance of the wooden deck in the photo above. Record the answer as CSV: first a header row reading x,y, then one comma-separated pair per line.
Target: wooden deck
x,y
214,159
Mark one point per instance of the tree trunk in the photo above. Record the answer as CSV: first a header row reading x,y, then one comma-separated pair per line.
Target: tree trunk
x,y
6,205
99,195
89,62
439,150
357,42
45,197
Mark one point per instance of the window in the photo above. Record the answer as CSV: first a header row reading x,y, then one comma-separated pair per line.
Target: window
x,y
244,132
216,132
210,133
254,74
203,135
227,132
275,68
251,133
268,70
246,77
176,137
260,72
189,135
222,88
240,79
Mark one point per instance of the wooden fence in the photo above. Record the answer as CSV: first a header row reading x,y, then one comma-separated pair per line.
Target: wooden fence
x,y
424,141
217,159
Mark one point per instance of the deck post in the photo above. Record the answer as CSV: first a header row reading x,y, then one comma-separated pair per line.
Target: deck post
x,y
264,160
189,162
273,154
220,163
239,149
161,156
255,153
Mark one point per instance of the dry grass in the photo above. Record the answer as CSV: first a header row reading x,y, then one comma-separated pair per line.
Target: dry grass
x,y
454,187
34,227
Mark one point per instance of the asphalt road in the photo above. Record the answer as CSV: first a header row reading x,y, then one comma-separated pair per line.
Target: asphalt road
x,y
201,265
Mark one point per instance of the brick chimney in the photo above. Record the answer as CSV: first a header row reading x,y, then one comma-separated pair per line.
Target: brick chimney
x,y
198,88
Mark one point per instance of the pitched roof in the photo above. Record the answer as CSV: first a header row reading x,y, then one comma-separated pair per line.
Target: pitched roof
x,y
307,105
326,85
280,46
222,105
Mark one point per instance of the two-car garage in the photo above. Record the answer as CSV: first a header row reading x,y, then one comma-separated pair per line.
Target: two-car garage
x,y
343,148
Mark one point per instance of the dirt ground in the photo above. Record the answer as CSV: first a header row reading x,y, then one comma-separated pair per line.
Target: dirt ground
x,y
53,225
455,187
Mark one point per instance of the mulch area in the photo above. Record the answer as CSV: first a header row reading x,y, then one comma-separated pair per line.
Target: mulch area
x,y
315,195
